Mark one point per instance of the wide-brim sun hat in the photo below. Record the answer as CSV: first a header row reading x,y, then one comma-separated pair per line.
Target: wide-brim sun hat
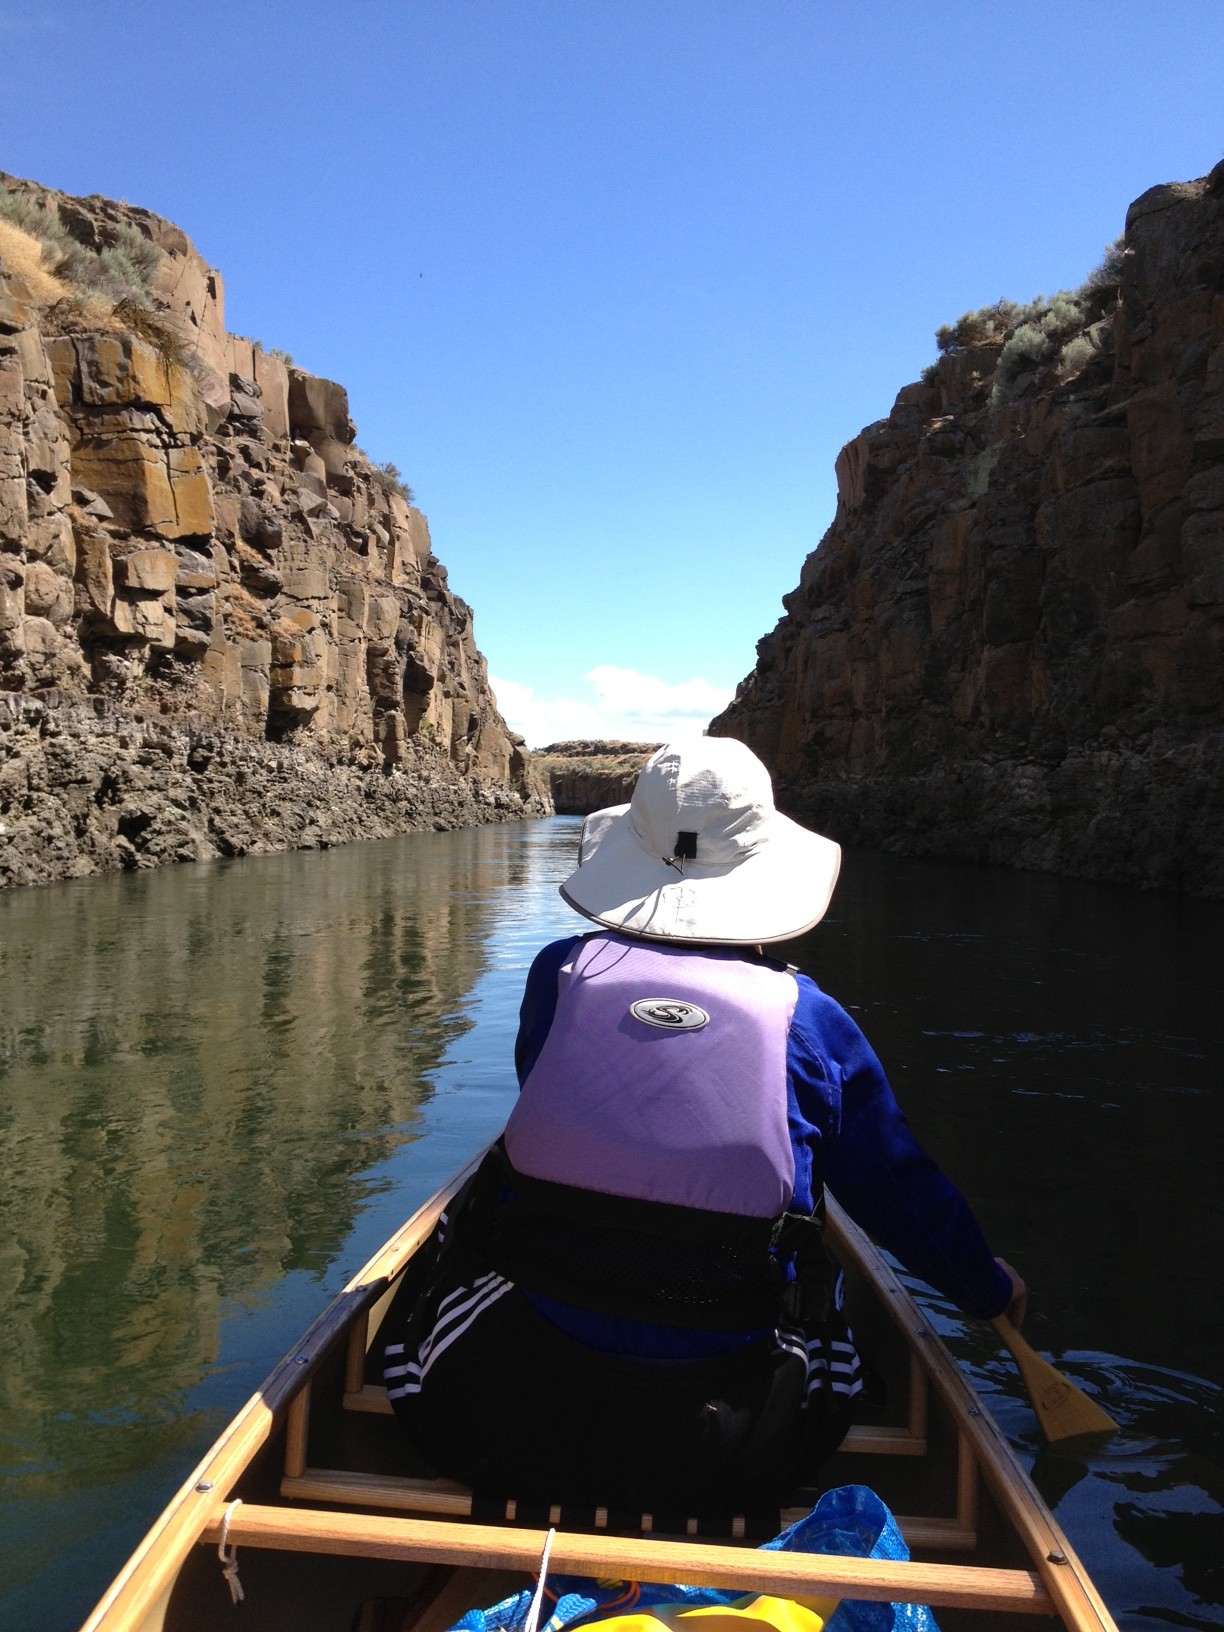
x,y
701,854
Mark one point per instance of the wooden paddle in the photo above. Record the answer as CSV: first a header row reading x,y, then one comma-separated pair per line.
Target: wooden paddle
x,y
1062,1409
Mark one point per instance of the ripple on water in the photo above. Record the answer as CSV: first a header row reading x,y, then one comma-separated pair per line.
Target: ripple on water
x,y
224,1086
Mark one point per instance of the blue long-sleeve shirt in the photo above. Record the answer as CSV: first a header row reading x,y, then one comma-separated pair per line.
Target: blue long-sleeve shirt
x,y
847,1131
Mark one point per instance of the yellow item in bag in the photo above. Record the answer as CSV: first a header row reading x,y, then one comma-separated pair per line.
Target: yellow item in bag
x,y
751,1613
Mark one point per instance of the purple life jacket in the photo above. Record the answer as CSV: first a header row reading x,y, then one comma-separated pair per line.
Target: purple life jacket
x,y
663,1079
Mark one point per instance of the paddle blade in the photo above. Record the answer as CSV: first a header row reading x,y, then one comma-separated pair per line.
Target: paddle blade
x,y
1063,1410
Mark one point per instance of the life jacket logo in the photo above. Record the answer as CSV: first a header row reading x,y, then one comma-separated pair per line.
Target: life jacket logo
x,y
669,1013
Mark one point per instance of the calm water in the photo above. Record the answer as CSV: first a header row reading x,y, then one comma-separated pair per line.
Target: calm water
x,y
221,1087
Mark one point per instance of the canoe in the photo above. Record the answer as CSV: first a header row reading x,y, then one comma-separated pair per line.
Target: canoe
x,y
308,1484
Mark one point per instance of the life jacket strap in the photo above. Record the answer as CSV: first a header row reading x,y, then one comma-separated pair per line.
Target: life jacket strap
x,y
653,1261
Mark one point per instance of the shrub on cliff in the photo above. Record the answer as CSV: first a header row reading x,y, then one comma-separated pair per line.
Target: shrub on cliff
x,y
1036,341
138,317
1033,334
1109,273
122,270
976,328
388,475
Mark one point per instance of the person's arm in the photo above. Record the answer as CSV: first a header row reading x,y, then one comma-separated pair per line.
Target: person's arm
x,y
877,1170
539,1003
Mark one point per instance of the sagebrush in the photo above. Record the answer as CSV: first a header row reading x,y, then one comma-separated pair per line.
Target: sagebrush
x,y
123,270
1036,332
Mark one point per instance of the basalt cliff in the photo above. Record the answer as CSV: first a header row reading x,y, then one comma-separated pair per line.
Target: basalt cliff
x,y
1009,645
587,776
222,628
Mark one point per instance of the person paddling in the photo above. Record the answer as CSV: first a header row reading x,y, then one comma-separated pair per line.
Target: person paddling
x,y
631,1304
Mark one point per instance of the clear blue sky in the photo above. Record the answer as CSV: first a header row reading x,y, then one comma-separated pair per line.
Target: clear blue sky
x,y
613,280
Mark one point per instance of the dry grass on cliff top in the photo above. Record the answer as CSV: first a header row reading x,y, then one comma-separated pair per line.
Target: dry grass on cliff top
x,y
599,747
610,759
68,309
22,254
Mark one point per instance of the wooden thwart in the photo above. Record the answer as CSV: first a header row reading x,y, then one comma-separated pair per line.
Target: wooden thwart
x,y
943,1586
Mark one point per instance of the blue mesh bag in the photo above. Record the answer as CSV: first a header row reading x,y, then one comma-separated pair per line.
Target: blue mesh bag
x,y
850,1522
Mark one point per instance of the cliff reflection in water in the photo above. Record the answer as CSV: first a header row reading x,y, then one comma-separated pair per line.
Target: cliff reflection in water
x,y
222,1055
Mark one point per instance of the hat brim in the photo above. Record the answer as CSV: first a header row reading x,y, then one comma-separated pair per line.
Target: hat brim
x,y
777,892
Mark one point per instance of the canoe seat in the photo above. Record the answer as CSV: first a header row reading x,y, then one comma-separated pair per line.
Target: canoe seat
x,y
957,1532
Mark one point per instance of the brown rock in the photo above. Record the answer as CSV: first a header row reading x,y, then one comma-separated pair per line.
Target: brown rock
x,y
144,618
12,597
382,617
132,476
1203,552
223,673
193,506
94,571
586,776
47,594
318,407
272,377
306,583
15,312
151,572
35,364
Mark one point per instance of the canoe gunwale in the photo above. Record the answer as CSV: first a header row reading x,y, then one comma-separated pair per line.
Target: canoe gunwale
x,y
150,1570
1052,1554
1056,1585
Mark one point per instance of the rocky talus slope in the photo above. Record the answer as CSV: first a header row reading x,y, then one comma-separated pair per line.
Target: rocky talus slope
x,y
1009,645
587,776
222,629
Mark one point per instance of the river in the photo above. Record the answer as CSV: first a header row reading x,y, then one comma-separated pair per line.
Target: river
x,y
222,1086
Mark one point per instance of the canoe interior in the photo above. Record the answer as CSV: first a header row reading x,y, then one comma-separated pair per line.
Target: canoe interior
x,y
324,1467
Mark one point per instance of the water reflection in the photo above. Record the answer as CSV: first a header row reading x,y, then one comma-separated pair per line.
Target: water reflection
x,y
221,1087
199,1069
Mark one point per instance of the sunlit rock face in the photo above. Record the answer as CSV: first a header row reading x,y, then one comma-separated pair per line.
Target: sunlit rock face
x,y
208,594
1009,646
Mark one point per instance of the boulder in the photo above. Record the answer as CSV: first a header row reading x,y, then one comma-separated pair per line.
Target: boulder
x,y
148,572
47,594
318,408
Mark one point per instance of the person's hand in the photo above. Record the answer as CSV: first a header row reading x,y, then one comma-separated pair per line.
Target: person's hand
x,y
1019,1298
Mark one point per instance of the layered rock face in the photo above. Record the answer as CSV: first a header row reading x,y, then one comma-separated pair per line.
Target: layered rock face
x,y
587,776
1009,646
222,628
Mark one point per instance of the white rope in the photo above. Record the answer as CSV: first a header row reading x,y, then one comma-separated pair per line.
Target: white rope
x,y
229,1561
533,1615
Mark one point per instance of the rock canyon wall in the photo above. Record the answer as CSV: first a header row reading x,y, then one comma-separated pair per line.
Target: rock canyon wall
x,y
587,776
222,628
1009,645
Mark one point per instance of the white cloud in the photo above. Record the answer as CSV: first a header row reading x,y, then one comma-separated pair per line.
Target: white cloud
x,y
623,704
